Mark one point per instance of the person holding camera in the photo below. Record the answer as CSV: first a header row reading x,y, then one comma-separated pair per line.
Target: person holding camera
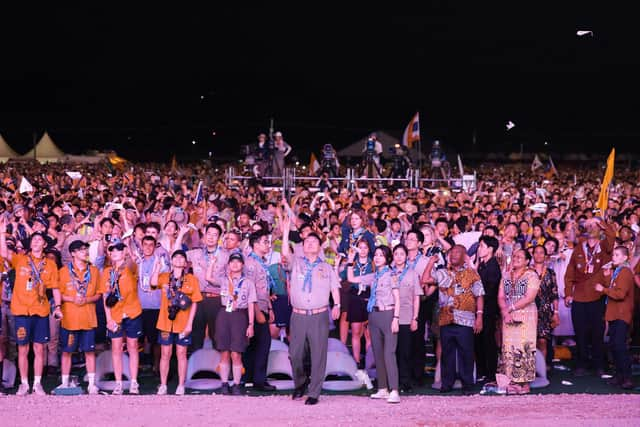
x,y
180,298
78,285
124,314
29,304
235,323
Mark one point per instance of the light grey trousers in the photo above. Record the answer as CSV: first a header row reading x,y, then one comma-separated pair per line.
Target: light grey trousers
x,y
384,344
309,334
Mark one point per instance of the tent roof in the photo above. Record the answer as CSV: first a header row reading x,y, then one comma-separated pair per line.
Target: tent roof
x,y
45,149
388,141
5,150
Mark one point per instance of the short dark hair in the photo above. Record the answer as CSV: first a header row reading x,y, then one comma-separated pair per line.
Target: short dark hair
x,y
149,239
105,220
153,224
419,234
213,225
256,236
381,224
491,242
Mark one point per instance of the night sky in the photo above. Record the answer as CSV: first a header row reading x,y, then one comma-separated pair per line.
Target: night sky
x,y
133,79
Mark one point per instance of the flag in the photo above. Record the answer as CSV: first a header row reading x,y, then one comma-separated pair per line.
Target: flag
x,y
174,163
551,171
314,165
536,163
412,132
603,199
460,166
116,160
199,196
25,186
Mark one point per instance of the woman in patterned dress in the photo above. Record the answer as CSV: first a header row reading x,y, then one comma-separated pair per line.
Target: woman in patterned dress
x,y
516,297
546,300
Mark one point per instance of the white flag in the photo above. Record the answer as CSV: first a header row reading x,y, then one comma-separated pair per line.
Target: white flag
x,y
460,166
25,186
74,175
581,33
536,163
510,125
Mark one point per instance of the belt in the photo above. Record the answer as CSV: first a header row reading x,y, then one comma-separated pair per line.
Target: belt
x,y
210,294
309,312
383,308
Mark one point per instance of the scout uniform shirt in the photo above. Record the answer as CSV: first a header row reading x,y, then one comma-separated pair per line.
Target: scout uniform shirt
x,y
257,270
314,293
387,282
191,288
79,282
238,294
129,304
200,259
409,285
33,277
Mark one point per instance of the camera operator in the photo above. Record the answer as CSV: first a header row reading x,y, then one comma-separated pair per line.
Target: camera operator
x,y
372,150
180,297
329,161
400,161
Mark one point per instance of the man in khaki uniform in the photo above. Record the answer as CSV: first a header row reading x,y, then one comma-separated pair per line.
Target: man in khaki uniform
x,y
312,280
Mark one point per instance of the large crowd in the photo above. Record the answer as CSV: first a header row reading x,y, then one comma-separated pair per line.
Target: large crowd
x,y
153,257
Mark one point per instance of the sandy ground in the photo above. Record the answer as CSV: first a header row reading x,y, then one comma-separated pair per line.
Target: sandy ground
x,y
154,411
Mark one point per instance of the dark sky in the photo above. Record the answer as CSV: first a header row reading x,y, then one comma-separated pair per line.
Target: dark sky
x,y
132,79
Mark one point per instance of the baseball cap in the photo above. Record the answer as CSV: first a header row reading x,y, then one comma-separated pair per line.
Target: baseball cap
x,y
76,245
117,245
236,256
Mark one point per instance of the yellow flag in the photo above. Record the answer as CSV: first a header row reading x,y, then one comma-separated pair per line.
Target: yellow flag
x,y
603,199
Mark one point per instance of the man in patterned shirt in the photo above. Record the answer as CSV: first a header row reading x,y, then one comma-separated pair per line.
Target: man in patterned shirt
x,y
461,302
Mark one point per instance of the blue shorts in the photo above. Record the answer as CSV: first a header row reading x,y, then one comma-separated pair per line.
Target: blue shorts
x,y
32,329
132,328
170,338
72,341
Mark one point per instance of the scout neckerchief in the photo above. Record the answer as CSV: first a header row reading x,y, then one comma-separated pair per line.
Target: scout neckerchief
x,y
234,290
355,236
208,254
309,272
270,282
80,285
114,281
175,284
400,274
589,254
614,276
36,277
374,287
412,264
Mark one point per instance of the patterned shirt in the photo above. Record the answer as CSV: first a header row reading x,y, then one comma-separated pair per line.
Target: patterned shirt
x,y
459,289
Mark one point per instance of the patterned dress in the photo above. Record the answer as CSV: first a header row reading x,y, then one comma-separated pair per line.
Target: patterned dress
x,y
547,294
518,356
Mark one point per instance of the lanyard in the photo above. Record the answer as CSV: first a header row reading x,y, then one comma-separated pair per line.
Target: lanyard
x,y
234,290
208,254
174,285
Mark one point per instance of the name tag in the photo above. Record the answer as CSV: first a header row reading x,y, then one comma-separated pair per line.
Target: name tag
x,y
29,285
229,307
146,286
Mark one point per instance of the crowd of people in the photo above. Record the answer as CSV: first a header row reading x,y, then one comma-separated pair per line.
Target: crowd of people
x,y
151,257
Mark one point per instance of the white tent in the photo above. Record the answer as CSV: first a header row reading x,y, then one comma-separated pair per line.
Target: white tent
x,y
45,151
355,150
6,152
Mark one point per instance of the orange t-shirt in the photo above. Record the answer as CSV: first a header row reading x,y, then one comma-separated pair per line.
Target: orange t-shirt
x,y
30,302
190,287
129,305
79,317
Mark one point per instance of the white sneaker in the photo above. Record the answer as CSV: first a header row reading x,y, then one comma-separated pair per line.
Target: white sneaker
x,y
23,390
394,397
362,375
93,389
117,390
162,390
134,387
38,390
382,393
180,390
